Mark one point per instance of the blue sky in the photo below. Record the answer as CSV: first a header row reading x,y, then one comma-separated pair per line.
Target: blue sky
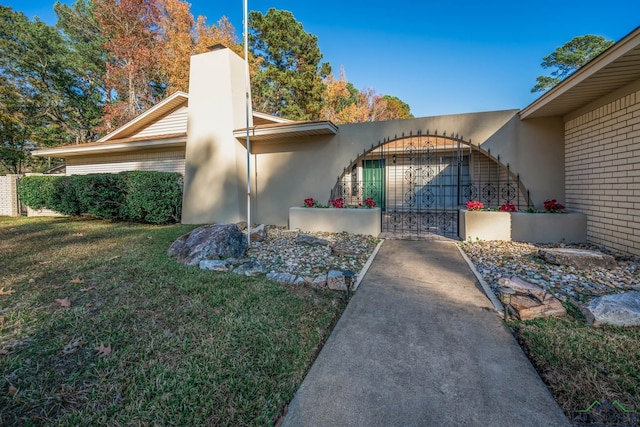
x,y
441,58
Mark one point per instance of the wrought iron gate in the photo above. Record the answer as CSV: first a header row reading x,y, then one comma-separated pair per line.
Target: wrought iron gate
x,y
422,180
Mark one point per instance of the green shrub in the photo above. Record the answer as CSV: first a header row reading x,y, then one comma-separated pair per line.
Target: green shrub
x,y
65,199
100,195
153,197
37,192
137,196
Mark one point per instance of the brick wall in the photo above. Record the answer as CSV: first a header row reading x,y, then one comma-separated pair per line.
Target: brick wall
x,y
602,171
9,195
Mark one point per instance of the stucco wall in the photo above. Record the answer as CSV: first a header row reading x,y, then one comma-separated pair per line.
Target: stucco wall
x,y
603,168
215,171
287,172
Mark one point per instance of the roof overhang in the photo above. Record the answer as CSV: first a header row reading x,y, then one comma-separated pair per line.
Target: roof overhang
x,y
178,140
612,69
286,131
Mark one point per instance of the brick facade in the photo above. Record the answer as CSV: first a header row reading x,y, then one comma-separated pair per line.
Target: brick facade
x,y
9,195
602,172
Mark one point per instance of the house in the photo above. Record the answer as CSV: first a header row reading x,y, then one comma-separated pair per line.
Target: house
x,y
578,143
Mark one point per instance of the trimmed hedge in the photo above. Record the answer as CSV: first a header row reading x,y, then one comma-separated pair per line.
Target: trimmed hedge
x,y
137,196
37,192
153,197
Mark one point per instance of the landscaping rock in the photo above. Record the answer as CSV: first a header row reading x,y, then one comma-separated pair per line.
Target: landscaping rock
x,y
209,242
578,258
285,278
242,225
615,309
320,281
214,265
307,239
336,281
258,234
522,287
343,251
251,269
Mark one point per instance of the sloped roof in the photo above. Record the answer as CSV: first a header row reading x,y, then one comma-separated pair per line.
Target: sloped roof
x,y
123,139
612,69
161,109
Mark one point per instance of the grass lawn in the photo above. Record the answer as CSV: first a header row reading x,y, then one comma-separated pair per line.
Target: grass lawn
x,y
581,364
99,327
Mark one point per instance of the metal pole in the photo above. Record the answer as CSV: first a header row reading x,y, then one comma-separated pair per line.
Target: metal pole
x,y
247,112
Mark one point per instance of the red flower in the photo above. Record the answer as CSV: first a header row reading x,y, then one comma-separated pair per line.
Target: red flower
x,y
508,207
553,206
309,202
370,202
475,205
338,203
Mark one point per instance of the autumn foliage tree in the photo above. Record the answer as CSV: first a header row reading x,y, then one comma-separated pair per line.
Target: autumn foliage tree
x,y
176,44
343,103
130,35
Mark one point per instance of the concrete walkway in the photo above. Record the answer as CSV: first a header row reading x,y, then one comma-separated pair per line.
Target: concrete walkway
x,y
420,345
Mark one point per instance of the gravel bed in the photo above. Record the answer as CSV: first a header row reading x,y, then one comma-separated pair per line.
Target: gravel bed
x,y
279,252
497,259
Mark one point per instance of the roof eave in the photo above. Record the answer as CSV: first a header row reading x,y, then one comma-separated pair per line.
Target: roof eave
x,y
288,130
115,147
616,51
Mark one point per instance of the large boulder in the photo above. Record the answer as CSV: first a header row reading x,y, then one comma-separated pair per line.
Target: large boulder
x,y
216,241
615,309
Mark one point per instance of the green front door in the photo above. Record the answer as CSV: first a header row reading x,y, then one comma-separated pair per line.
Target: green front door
x,y
373,181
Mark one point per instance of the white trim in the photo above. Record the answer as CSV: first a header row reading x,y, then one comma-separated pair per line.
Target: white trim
x,y
271,118
289,130
85,149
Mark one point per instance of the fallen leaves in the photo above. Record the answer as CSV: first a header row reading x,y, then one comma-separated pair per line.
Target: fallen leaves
x,y
103,351
12,390
87,289
8,292
4,352
78,235
73,345
64,302
77,280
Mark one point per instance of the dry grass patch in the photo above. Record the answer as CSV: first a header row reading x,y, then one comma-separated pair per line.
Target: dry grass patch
x,y
104,329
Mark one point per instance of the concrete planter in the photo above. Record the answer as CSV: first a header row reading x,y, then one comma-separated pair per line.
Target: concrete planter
x,y
570,227
523,227
484,225
356,221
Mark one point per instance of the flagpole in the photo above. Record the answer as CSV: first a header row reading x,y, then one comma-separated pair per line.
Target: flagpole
x,y
247,108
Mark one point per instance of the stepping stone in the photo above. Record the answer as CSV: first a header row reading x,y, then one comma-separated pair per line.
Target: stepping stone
x,y
578,258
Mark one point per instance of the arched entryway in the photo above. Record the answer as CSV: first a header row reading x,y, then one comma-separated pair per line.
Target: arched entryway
x,y
421,181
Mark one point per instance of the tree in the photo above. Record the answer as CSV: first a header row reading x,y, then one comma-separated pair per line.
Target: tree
x,y
52,100
288,82
343,103
224,33
569,57
130,29
176,44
